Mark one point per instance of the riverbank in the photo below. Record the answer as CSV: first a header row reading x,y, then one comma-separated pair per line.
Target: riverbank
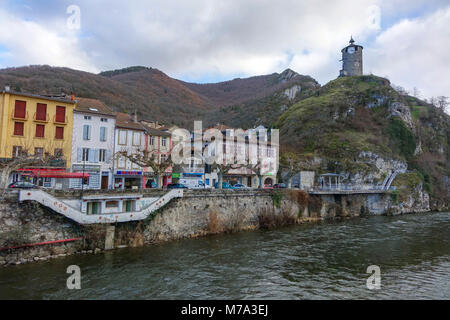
x,y
199,213
324,260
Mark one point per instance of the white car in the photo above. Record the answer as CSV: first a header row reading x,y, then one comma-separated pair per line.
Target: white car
x,y
194,184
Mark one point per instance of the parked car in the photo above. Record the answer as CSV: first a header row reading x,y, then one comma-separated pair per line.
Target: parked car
x,y
279,186
176,186
225,185
267,186
194,184
240,186
22,185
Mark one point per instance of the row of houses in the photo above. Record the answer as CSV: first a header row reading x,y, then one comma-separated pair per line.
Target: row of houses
x,y
84,134
86,137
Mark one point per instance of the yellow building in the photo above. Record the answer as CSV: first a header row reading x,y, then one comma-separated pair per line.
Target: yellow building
x,y
35,124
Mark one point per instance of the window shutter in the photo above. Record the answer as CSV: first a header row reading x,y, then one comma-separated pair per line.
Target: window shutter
x,y
108,156
41,111
20,109
89,132
60,114
91,155
79,154
97,155
40,130
18,128
59,133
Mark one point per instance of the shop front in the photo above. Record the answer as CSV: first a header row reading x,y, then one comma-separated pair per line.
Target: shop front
x,y
94,181
129,179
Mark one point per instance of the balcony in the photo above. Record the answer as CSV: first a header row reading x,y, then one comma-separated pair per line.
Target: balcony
x,y
60,120
16,116
40,118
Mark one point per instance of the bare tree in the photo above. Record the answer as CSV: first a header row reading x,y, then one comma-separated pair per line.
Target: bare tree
x,y
24,158
442,102
149,159
402,91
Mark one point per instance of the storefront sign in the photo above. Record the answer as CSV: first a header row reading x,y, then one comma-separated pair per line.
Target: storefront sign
x,y
175,175
129,173
90,168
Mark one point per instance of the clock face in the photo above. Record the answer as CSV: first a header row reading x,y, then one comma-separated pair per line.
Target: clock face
x,y
351,50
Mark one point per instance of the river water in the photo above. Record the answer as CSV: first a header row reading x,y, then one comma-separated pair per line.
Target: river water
x,y
328,260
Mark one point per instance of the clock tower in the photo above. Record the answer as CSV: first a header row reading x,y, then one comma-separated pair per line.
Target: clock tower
x,y
352,63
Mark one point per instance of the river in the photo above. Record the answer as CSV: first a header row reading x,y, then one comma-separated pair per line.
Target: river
x,y
327,260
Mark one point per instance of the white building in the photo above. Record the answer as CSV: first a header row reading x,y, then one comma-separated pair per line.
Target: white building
x,y
129,137
93,144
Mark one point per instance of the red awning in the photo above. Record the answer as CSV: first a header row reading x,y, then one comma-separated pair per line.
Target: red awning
x,y
43,173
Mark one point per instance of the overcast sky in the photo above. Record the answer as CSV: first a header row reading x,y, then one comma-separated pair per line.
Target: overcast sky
x,y
407,41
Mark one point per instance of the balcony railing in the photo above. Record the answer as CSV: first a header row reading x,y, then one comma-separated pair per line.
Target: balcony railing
x,y
40,118
14,116
60,121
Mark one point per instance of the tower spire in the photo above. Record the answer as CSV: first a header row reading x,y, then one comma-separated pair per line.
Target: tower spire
x,y
351,40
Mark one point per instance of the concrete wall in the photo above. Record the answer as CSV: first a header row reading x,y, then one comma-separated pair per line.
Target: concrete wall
x,y
198,213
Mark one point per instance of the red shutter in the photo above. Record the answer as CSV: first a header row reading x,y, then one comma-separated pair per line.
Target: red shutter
x,y
60,114
18,128
59,133
41,111
20,109
40,130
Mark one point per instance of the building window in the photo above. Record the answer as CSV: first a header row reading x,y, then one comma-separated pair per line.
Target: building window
x,y
136,138
39,152
103,119
41,112
59,133
17,151
86,132
163,158
112,204
18,128
59,153
20,108
85,155
102,155
40,131
163,142
60,114
87,117
103,131
122,137
152,140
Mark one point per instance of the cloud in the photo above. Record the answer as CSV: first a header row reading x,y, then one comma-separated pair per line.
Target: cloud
x,y
26,42
414,53
222,39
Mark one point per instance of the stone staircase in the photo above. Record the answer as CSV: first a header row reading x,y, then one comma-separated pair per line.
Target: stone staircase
x,y
76,215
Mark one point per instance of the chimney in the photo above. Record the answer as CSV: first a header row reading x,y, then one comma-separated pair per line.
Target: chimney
x,y
7,88
73,97
135,116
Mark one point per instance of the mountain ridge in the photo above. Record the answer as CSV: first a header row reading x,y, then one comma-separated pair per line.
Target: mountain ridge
x,y
149,91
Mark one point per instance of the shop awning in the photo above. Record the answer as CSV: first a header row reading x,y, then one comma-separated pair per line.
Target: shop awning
x,y
45,173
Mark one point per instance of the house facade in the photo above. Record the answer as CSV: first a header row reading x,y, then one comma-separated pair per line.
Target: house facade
x,y
93,144
159,144
130,138
36,125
